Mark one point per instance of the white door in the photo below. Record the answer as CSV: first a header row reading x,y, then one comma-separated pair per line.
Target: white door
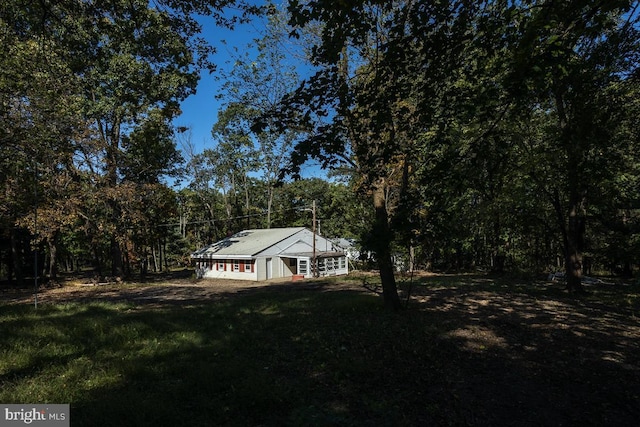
x,y
269,268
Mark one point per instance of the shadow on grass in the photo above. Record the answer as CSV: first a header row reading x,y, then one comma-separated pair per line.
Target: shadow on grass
x,y
465,353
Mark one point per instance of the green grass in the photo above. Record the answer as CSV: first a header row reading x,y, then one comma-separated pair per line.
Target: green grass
x,y
267,359
298,357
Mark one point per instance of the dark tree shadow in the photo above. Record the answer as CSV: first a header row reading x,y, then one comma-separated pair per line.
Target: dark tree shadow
x,y
465,352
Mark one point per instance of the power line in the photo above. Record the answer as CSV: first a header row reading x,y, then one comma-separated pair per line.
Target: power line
x,y
209,221
213,221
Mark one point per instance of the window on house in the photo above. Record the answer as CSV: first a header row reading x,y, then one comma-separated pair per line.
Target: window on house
x,y
321,265
247,266
220,265
236,265
343,262
303,267
330,264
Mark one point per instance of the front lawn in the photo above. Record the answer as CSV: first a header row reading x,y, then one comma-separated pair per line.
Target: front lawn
x,y
464,353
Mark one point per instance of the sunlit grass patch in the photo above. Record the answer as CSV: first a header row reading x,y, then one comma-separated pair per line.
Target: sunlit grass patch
x,y
308,357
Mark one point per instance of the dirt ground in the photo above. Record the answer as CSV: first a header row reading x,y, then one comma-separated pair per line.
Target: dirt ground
x,y
172,289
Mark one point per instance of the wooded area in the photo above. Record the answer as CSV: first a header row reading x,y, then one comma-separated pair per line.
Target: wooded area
x,y
500,135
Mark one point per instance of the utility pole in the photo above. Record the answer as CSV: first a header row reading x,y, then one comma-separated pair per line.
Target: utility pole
x,y
314,265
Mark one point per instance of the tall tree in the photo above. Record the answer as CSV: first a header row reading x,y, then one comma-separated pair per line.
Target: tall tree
x,y
236,152
383,68
574,58
119,69
259,78
41,122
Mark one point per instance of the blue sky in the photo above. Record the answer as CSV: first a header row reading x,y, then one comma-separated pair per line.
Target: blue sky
x,y
199,111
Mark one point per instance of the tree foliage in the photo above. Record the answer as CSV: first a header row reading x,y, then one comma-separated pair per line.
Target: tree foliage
x,y
495,134
458,115
88,91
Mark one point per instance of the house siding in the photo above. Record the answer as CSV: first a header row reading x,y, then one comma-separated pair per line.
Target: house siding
x,y
261,267
333,266
210,269
287,257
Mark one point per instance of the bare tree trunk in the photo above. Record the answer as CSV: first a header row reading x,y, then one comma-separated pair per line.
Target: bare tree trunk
x,y
155,259
183,225
382,246
144,263
97,262
269,206
16,259
126,262
164,252
53,259
572,229
117,269
574,249
247,202
159,252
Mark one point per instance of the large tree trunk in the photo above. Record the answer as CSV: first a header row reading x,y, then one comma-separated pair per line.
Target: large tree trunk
x,y
575,246
117,268
97,261
574,226
154,256
497,257
144,261
576,220
164,252
382,247
572,230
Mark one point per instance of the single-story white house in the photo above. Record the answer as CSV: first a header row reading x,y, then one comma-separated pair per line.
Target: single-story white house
x,y
268,254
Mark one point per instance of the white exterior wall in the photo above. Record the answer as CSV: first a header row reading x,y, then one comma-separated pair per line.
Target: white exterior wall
x,y
280,268
295,249
212,272
261,269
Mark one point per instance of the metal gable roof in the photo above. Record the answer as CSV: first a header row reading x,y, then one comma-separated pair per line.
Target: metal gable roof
x,y
246,243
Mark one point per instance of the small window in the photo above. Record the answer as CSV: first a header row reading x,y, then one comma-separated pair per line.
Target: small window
x,y
247,265
236,265
303,267
329,263
343,262
220,265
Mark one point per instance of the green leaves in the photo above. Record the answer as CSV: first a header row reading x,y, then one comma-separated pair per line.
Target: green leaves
x,y
89,89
